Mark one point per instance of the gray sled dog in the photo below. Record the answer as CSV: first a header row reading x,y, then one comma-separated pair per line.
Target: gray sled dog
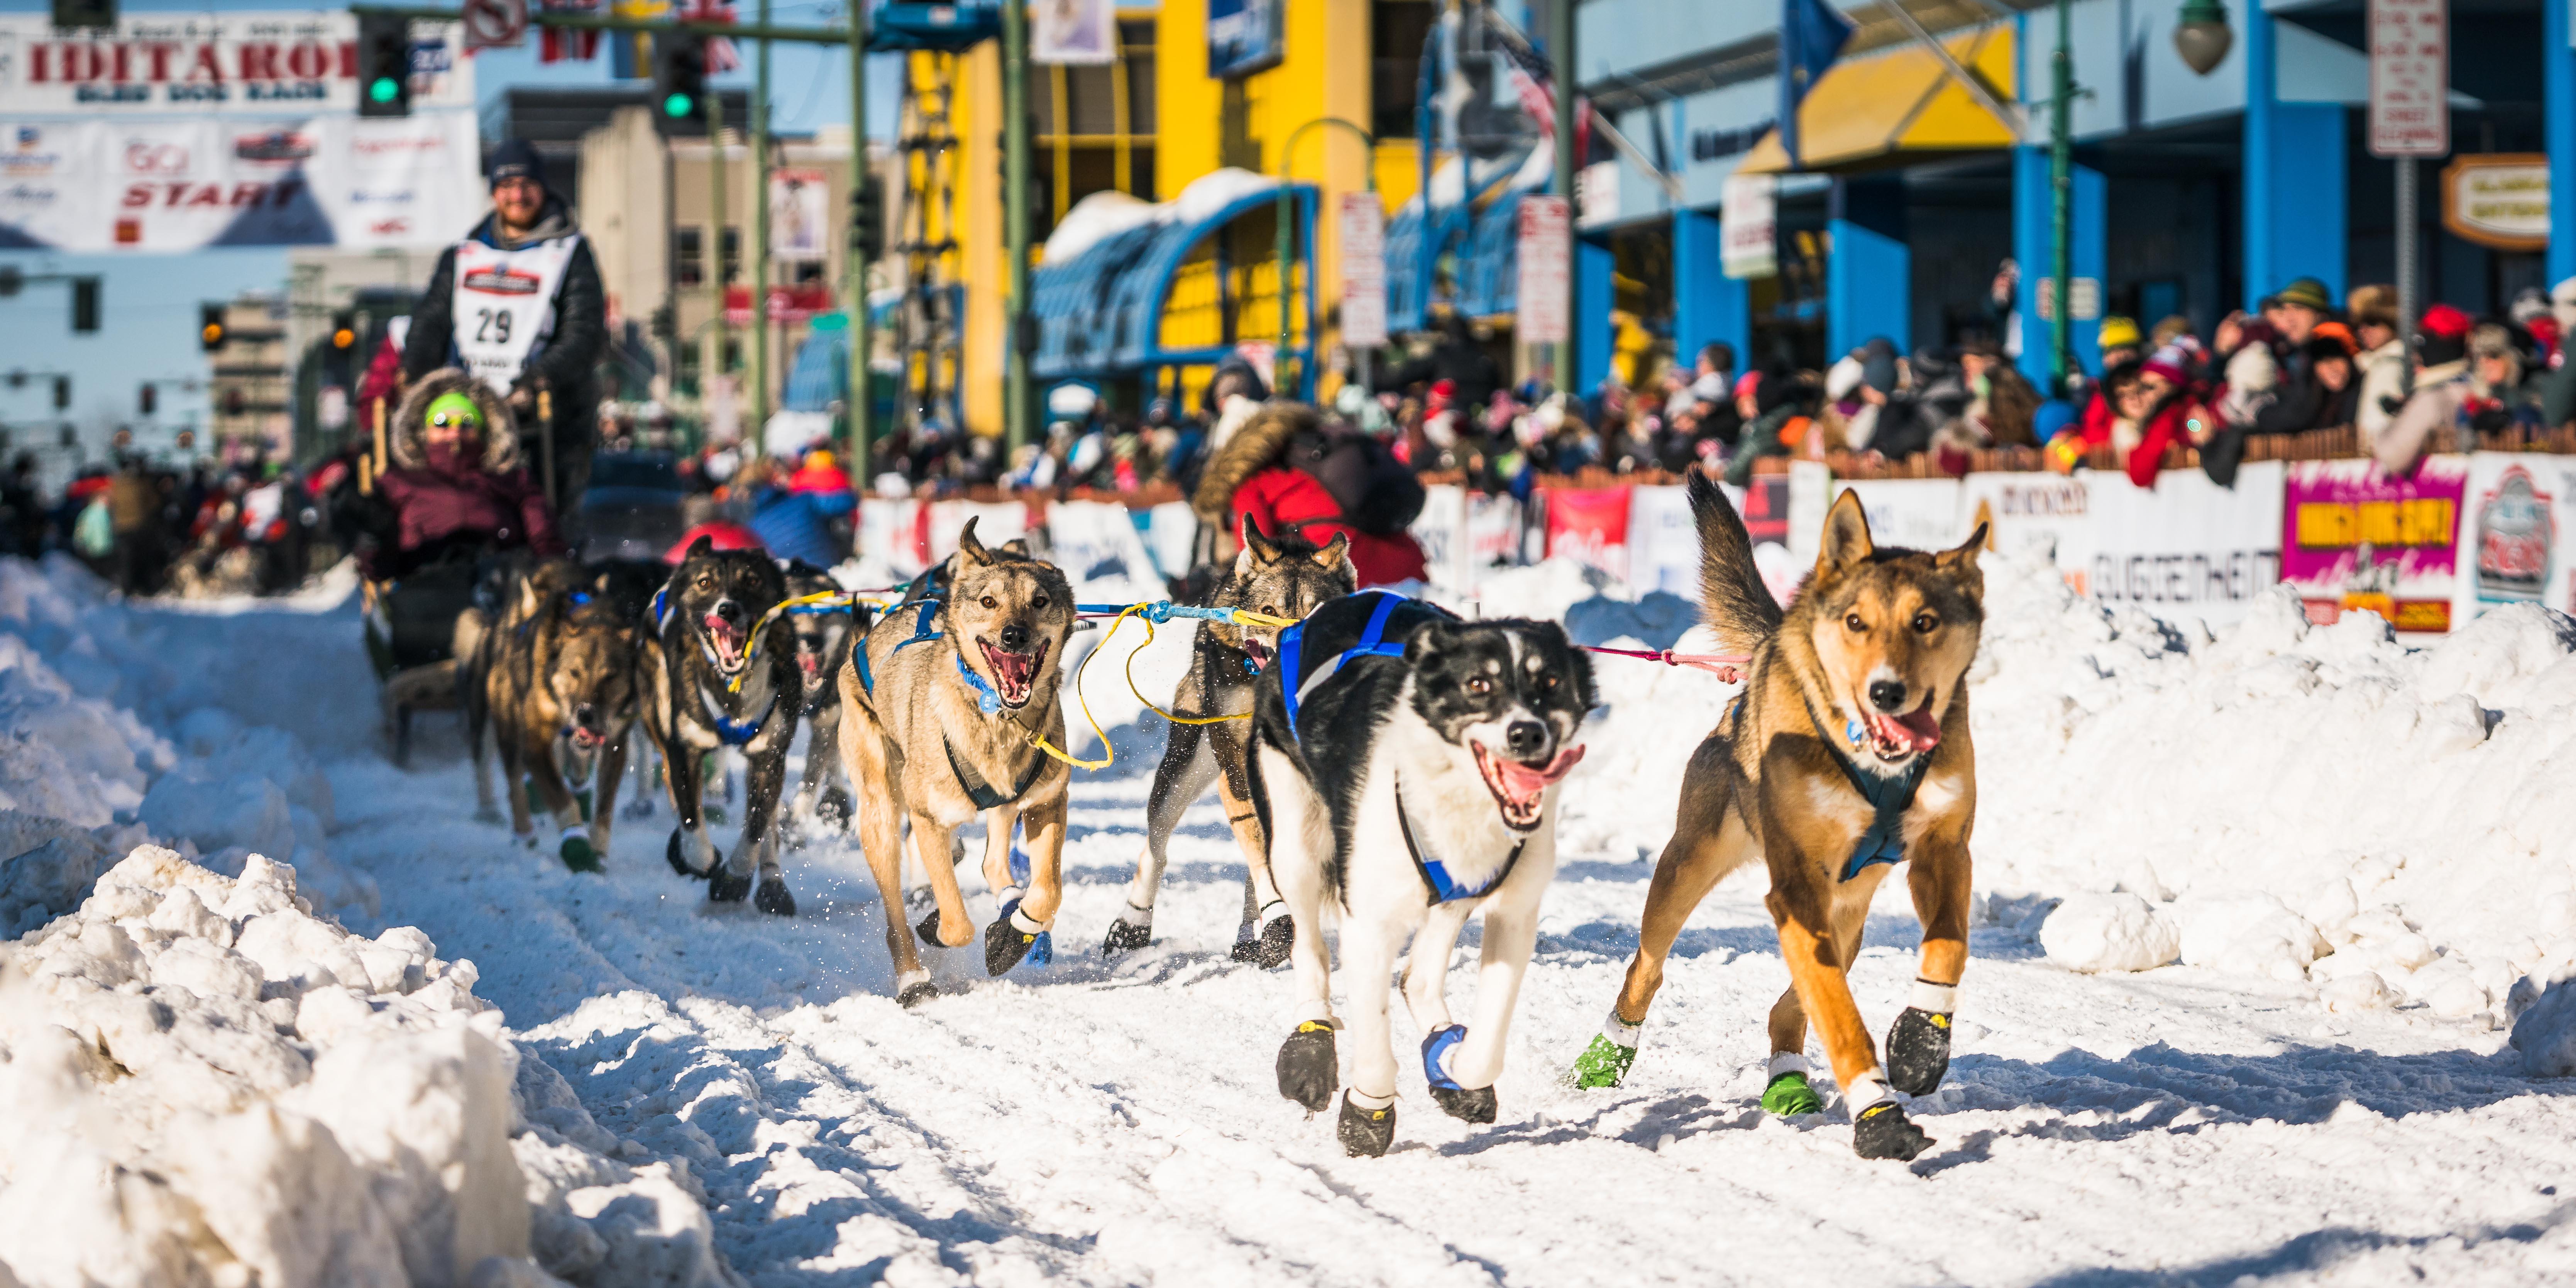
x,y
704,621
1408,764
1285,578
553,681
943,704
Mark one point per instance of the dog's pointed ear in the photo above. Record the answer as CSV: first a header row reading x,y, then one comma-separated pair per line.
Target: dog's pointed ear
x,y
1846,535
1963,555
704,545
1016,547
1427,643
1262,548
1335,554
968,546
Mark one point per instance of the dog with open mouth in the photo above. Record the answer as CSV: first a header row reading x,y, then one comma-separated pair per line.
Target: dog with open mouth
x,y
552,682
1284,578
1407,765
943,704
1846,754
720,674
823,637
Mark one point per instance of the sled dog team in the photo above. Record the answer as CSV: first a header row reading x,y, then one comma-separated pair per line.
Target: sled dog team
x,y
1388,770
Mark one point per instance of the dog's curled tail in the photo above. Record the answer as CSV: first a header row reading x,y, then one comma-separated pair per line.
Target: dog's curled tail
x,y
1733,600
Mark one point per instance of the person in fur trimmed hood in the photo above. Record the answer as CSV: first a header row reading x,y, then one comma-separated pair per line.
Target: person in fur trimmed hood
x,y
1292,473
455,486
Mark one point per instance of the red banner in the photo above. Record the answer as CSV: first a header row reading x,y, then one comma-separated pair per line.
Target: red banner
x,y
786,303
1590,525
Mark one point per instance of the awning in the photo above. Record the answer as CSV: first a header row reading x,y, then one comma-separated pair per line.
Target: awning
x,y
1103,311
1877,110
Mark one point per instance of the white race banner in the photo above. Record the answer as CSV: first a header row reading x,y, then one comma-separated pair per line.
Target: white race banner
x,y
1663,543
195,64
2186,547
2517,534
2047,513
1441,531
1922,514
1363,235
180,186
1748,226
1546,252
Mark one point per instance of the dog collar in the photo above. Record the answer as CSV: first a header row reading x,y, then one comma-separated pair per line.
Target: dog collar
x,y
987,699
736,733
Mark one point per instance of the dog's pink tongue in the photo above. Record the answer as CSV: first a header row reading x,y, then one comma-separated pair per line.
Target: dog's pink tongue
x,y
1918,731
1524,781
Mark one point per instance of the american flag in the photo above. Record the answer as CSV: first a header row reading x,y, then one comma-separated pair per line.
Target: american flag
x,y
720,51
558,44
1534,81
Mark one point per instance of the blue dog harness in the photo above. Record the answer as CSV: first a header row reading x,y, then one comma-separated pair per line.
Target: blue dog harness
x,y
1884,840
1372,643
1435,876
920,631
736,733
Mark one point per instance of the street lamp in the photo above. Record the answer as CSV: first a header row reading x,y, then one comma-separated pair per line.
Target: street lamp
x,y
2201,35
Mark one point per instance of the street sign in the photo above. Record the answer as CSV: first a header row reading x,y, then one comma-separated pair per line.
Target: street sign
x,y
1363,239
2410,78
1545,252
495,24
2499,200
1748,226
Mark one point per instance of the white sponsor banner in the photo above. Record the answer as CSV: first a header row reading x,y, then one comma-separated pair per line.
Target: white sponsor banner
x,y
1545,249
1663,543
1095,541
1363,248
195,64
180,186
2517,534
1073,32
1171,537
2047,513
1441,531
1922,514
2186,547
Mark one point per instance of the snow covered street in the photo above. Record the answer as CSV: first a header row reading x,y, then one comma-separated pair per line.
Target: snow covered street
x,y
2259,1114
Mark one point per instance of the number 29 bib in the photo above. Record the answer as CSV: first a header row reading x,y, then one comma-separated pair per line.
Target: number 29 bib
x,y
505,305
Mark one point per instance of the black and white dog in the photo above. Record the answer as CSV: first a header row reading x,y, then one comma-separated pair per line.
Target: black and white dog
x,y
1406,763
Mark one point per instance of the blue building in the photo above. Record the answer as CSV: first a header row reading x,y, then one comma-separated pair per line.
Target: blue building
x,y
2193,193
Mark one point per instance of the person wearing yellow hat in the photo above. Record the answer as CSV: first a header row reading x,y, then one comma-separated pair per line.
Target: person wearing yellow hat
x,y
2119,340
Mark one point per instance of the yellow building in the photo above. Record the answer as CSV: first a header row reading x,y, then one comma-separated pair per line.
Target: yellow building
x,y
1149,126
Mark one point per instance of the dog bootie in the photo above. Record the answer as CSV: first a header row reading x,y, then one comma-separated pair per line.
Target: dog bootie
x,y
1365,1129
1012,938
915,989
1268,937
1881,1131
677,852
1918,1044
724,885
1605,1063
773,897
1308,1067
576,852
1132,930
1789,1095
1467,1104
929,931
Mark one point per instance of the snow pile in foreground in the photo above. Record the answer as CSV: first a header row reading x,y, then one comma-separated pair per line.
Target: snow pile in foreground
x,y
208,1084
2318,805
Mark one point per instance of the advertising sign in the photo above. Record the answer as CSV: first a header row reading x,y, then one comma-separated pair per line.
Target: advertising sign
x,y
1441,531
2046,513
196,64
1073,32
1663,544
2517,533
799,213
1545,251
178,186
2410,78
2186,547
2499,200
1245,36
2353,538
1748,226
1920,513
1363,244
1590,525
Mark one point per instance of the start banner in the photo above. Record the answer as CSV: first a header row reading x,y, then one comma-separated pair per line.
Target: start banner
x,y
2352,537
179,186
194,64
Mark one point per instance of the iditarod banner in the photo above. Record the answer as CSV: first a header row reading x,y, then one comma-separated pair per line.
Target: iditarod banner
x,y
2354,538
194,65
2517,534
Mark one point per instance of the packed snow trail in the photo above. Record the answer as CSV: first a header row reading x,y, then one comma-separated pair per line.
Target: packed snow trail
x,y
1118,1123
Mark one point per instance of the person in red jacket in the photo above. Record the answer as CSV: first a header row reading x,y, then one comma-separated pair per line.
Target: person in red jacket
x,y
1254,472
2141,410
455,488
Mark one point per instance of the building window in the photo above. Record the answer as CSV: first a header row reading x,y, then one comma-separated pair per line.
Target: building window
x,y
1095,127
732,355
809,271
687,364
732,254
689,257
1397,29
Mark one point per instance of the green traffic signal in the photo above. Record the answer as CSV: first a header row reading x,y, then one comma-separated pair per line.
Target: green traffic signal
x,y
383,89
678,106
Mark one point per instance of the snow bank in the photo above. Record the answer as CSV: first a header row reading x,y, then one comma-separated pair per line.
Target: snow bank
x,y
209,1084
2283,801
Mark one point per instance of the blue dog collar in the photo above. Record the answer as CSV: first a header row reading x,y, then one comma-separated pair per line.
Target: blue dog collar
x,y
986,699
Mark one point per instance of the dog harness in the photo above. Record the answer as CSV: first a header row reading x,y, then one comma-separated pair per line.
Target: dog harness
x,y
983,793
1435,876
1884,840
736,733
920,631
1294,686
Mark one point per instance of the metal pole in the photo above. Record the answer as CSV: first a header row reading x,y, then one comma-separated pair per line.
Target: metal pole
x,y
1015,221
2406,234
858,398
1287,271
1560,52
716,206
760,235
2061,181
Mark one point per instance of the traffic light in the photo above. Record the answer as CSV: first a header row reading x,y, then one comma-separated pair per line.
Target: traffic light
x,y
384,65
344,330
867,218
99,14
11,280
62,393
147,399
84,304
210,327
680,76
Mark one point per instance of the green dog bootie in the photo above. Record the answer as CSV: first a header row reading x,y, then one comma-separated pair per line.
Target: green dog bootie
x,y
1605,1062
1789,1095
576,852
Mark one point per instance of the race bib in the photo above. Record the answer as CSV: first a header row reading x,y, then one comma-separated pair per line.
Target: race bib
x,y
505,305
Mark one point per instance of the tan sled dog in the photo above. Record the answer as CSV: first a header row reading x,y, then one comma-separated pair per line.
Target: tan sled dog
x,y
943,702
1847,753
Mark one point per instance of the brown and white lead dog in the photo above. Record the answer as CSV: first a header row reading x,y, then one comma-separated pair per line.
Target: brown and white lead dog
x,y
1847,753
